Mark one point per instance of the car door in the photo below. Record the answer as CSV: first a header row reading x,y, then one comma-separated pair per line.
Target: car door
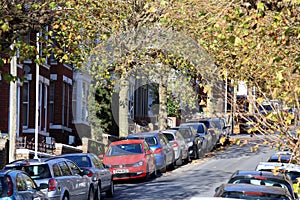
x,y
183,145
167,148
149,157
81,182
104,173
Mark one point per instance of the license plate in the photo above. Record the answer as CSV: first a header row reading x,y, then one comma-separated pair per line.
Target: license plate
x,y
120,171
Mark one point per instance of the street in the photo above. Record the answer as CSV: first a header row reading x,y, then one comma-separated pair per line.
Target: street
x,y
198,178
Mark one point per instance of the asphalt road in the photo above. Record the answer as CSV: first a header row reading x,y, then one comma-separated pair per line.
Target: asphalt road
x,y
198,178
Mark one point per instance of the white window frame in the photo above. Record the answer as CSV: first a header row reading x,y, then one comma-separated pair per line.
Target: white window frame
x,y
27,103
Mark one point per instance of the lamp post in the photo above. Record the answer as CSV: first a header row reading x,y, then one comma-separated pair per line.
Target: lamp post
x,y
37,71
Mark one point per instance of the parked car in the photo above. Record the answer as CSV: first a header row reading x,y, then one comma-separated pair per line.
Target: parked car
x,y
180,147
162,149
130,159
291,170
101,177
223,129
16,184
248,191
201,131
282,157
211,128
63,178
263,178
192,139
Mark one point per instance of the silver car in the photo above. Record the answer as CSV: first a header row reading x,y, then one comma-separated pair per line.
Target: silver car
x,y
58,178
100,176
181,148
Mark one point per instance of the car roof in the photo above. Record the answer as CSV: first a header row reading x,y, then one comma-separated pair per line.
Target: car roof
x,y
229,187
251,174
135,141
144,134
273,165
33,161
172,131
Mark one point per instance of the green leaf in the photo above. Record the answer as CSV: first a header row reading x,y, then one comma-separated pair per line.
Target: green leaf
x,y
261,6
5,27
297,59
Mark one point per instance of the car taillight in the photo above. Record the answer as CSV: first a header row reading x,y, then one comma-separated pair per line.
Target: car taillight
x,y
260,177
255,193
52,184
90,174
175,144
158,151
9,186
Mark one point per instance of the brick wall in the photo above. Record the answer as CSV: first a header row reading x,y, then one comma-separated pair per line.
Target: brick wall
x,y
3,152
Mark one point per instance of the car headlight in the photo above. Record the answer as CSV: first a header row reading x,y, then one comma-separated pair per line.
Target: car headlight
x,y
138,164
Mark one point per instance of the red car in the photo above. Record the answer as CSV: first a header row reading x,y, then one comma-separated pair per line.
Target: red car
x,y
130,159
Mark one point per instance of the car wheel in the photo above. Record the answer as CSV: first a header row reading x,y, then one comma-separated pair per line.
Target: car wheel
x,y
179,160
154,174
111,191
195,152
91,194
164,168
65,197
98,192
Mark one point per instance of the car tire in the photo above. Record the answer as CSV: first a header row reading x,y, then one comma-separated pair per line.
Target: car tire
x,y
65,197
179,161
164,168
111,191
91,194
98,191
154,174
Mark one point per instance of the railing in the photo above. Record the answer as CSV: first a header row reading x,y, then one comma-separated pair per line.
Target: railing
x,y
44,147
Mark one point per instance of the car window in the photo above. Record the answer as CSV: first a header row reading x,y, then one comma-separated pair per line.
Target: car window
x,y
97,162
29,182
169,136
3,187
39,171
21,184
146,147
185,133
75,170
65,169
162,139
151,141
179,136
56,170
81,161
124,149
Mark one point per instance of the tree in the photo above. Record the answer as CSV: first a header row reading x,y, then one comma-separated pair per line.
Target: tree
x,y
256,42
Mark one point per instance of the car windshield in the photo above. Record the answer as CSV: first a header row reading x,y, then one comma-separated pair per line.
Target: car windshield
x,y
185,133
80,161
149,139
255,195
35,171
124,149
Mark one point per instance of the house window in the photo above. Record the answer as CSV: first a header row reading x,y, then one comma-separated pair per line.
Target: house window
x,y
25,104
40,105
74,100
65,104
51,101
84,109
45,107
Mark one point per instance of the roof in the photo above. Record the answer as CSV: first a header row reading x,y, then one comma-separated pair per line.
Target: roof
x,y
135,141
251,174
254,188
272,165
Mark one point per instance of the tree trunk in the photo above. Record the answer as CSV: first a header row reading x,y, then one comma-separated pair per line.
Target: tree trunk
x,y
123,108
162,112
